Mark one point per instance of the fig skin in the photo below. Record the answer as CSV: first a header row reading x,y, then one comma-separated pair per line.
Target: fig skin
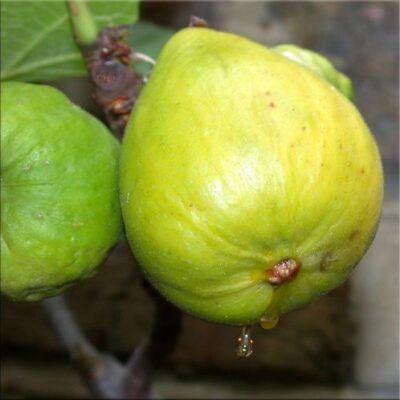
x,y
235,159
320,65
60,212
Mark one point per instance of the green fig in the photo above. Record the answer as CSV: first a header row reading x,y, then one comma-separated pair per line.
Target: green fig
x,y
250,185
320,65
60,210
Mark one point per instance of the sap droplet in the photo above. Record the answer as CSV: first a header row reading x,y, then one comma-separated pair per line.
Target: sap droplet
x,y
268,321
245,343
127,197
39,215
47,162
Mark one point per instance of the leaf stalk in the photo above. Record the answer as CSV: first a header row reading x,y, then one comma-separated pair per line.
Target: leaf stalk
x,y
83,23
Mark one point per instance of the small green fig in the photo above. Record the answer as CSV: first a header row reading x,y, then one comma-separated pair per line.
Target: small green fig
x,y
250,185
60,210
320,65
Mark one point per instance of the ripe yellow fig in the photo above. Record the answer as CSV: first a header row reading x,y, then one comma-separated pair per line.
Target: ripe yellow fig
x,y
250,185
60,211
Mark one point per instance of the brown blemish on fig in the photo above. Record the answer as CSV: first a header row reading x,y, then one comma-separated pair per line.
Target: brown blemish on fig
x,y
362,171
327,260
354,234
322,164
303,128
283,271
267,93
272,104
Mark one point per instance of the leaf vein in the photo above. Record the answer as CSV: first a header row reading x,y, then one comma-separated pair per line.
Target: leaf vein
x,y
26,68
39,38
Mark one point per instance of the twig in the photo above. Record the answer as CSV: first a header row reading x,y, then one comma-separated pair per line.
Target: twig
x,y
154,349
65,326
106,377
103,374
116,85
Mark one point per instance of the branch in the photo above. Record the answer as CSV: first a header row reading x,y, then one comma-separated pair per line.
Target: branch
x,y
103,374
108,60
65,326
106,377
153,351
116,85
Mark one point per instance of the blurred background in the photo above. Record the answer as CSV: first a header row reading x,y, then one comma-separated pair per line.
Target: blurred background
x,y
345,345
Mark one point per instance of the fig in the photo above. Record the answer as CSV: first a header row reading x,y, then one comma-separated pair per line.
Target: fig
x,y
250,185
60,210
320,65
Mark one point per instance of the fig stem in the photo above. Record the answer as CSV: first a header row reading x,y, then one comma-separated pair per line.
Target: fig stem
x,y
83,24
116,85
197,22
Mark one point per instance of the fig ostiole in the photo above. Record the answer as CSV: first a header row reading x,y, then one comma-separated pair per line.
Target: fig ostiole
x,y
250,185
60,212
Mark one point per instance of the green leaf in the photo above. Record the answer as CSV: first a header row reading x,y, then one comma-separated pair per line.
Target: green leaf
x,y
149,39
37,41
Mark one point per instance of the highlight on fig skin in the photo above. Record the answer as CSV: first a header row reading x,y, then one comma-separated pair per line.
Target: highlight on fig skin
x,y
283,271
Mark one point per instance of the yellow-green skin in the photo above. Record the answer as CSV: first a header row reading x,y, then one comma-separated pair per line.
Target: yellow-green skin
x,y
318,64
60,210
234,159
